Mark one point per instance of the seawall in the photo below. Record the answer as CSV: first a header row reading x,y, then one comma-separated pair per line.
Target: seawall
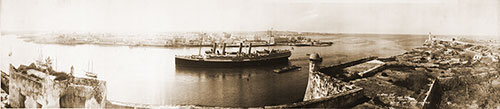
x,y
321,85
433,95
341,100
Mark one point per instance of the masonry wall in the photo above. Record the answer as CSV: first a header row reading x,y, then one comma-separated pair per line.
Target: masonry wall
x,y
25,91
345,99
36,89
321,85
347,64
5,82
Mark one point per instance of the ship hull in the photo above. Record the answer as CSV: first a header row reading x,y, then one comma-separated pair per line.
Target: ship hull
x,y
181,62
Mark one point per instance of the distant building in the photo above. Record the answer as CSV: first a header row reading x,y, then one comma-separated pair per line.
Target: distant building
x,y
226,35
179,40
256,37
281,39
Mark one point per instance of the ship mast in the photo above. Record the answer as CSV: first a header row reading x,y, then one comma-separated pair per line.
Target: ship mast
x,y
56,62
239,50
10,52
201,43
224,49
250,49
88,65
270,32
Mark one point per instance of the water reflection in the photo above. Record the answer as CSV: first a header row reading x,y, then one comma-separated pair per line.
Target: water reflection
x,y
245,86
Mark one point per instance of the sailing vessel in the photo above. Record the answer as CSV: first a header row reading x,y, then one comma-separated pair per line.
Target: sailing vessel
x,y
90,72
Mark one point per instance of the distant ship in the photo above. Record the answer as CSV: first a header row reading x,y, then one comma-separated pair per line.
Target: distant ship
x,y
214,58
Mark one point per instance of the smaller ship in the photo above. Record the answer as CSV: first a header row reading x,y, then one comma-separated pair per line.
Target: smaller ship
x,y
323,44
302,44
91,74
286,69
319,44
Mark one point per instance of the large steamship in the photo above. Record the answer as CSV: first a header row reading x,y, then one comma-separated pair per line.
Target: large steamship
x,y
215,58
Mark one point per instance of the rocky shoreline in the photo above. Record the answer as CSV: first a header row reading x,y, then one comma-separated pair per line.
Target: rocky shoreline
x,y
440,74
468,73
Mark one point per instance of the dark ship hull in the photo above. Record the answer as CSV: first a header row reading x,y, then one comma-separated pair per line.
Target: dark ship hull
x,y
188,62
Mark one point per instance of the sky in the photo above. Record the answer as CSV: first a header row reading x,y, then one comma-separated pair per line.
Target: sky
x,y
456,17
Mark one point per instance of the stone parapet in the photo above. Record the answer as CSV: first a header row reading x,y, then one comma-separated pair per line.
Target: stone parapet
x,y
35,88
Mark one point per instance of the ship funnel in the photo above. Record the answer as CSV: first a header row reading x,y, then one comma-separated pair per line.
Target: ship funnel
x,y
215,48
224,49
250,48
239,51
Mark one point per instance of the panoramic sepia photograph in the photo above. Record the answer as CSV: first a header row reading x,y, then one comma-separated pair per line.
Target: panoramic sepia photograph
x,y
419,54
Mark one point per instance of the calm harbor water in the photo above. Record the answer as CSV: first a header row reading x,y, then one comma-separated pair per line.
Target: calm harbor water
x,y
148,74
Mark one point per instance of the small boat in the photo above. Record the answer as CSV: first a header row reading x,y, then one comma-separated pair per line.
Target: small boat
x,y
286,69
302,44
324,44
90,74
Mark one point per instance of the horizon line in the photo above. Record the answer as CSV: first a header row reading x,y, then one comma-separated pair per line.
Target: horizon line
x,y
230,31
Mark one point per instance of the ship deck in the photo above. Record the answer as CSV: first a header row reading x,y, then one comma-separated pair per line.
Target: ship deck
x,y
229,58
